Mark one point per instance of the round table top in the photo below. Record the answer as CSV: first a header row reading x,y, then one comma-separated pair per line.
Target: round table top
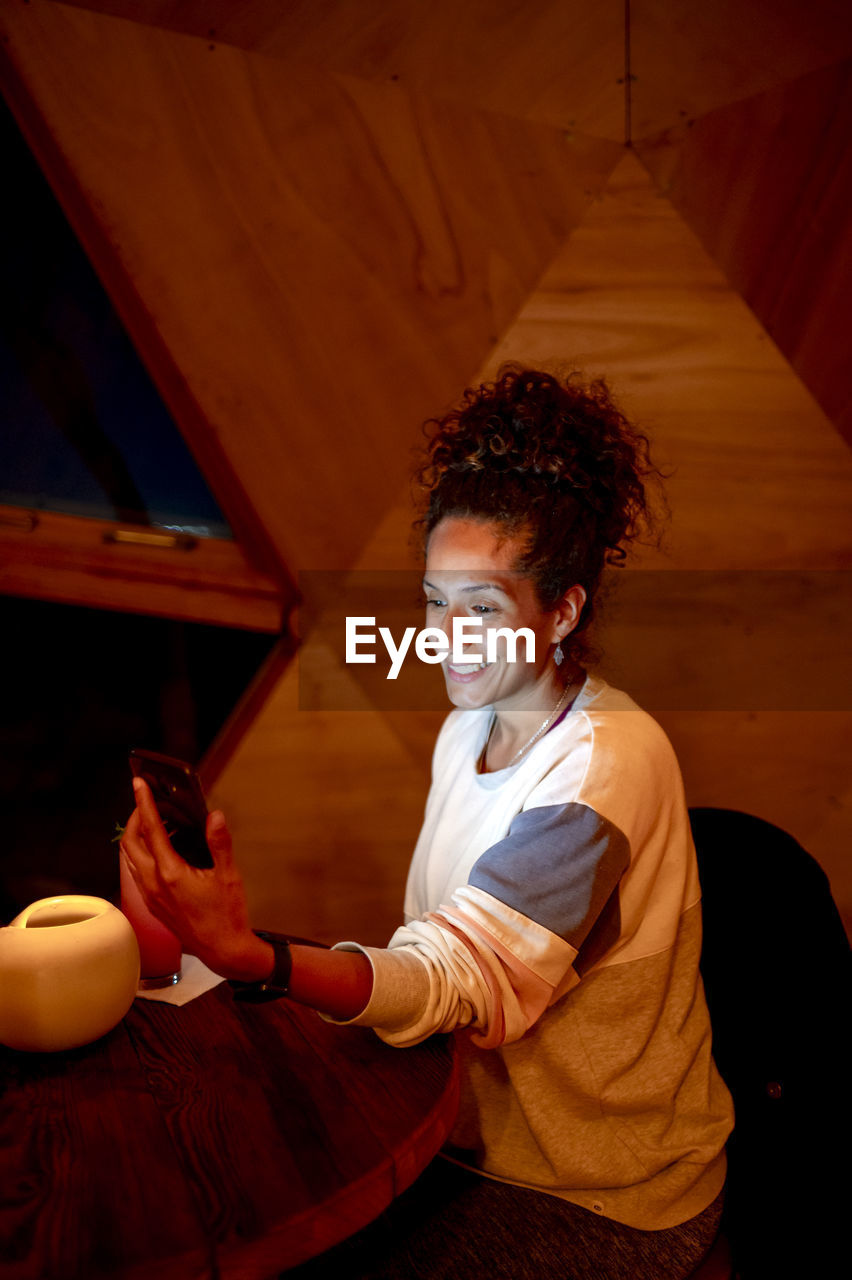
x,y
217,1138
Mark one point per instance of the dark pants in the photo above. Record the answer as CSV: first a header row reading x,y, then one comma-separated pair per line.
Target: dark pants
x,y
455,1225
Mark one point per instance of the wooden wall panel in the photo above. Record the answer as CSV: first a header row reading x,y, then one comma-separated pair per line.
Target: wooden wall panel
x,y
555,61
767,186
558,61
688,59
325,807
104,566
330,254
325,259
761,481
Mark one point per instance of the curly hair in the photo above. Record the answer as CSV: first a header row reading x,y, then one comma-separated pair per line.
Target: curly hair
x,y
553,460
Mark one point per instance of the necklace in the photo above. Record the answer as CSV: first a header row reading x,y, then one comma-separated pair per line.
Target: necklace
x,y
543,727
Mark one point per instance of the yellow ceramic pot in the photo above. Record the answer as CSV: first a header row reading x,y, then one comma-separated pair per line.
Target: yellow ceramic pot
x,y
69,969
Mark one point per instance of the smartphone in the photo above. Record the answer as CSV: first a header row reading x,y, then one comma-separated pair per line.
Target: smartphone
x,y
180,802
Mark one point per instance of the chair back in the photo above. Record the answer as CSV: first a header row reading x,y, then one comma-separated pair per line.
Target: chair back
x,y
777,972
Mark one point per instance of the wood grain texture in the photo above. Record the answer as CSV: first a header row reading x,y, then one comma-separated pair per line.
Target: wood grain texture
x,y
247,709
325,258
556,61
70,559
86,1157
559,61
330,254
761,480
329,1124
766,185
720,641
215,1139
791,768
689,59
138,321
325,807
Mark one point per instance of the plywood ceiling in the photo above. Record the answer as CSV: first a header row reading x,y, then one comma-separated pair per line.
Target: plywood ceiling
x,y
558,61
332,212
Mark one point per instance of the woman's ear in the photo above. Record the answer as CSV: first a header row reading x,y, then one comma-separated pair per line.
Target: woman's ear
x,y
566,615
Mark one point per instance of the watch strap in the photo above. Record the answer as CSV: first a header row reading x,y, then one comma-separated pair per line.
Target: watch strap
x,y
278,982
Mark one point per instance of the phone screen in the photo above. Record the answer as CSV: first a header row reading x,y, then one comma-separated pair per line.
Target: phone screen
x,y
180,802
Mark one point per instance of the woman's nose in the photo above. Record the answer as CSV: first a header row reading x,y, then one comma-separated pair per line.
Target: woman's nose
x,y
450,614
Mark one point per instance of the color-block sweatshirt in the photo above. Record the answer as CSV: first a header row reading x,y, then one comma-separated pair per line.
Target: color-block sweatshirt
x,y
553,921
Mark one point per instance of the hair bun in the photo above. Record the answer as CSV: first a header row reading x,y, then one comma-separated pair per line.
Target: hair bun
x,y
554,459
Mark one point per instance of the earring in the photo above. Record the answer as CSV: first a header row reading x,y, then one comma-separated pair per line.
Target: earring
x,y
558,655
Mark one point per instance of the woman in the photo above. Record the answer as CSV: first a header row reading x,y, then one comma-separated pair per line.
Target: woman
x,y
552,907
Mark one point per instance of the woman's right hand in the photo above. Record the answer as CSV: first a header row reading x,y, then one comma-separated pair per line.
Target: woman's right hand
x,y
205,907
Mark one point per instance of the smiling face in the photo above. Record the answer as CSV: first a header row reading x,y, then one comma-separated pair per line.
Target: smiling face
x,y
470,573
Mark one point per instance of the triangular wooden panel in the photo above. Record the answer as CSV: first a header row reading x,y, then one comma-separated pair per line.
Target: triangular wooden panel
x,y
326,260
556,61
635,296
767,186
688,59
761,481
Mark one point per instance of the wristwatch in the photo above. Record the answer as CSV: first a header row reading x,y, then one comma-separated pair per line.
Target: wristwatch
x,y
278,982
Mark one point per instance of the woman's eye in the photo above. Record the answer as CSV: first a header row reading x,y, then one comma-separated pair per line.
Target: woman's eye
x,y
436,604
482,609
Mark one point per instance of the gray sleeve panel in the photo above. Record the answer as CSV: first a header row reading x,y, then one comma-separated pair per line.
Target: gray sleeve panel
x,y
558,866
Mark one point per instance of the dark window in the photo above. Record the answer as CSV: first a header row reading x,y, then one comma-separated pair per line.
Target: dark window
x,y
84,431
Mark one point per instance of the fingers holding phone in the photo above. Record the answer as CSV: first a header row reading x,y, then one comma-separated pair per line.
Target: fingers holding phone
x,y
205,906
176,792
153,862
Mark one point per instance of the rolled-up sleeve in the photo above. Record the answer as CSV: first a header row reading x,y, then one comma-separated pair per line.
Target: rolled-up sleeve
x,y
503,949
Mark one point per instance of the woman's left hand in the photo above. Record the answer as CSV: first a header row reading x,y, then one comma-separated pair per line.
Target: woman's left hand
x,y
206,908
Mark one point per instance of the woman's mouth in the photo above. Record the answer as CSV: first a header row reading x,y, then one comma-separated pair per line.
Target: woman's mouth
x,y
469,671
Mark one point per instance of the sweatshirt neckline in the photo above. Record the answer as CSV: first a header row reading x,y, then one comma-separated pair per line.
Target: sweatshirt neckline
x,y
497,777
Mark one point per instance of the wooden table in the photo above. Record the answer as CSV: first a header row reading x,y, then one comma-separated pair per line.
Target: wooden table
x,y
217,1139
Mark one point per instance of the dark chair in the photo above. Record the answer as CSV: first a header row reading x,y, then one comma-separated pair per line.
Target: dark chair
x,y
778,976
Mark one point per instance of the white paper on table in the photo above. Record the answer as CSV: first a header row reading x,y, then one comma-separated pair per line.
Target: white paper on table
x,y
196,978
